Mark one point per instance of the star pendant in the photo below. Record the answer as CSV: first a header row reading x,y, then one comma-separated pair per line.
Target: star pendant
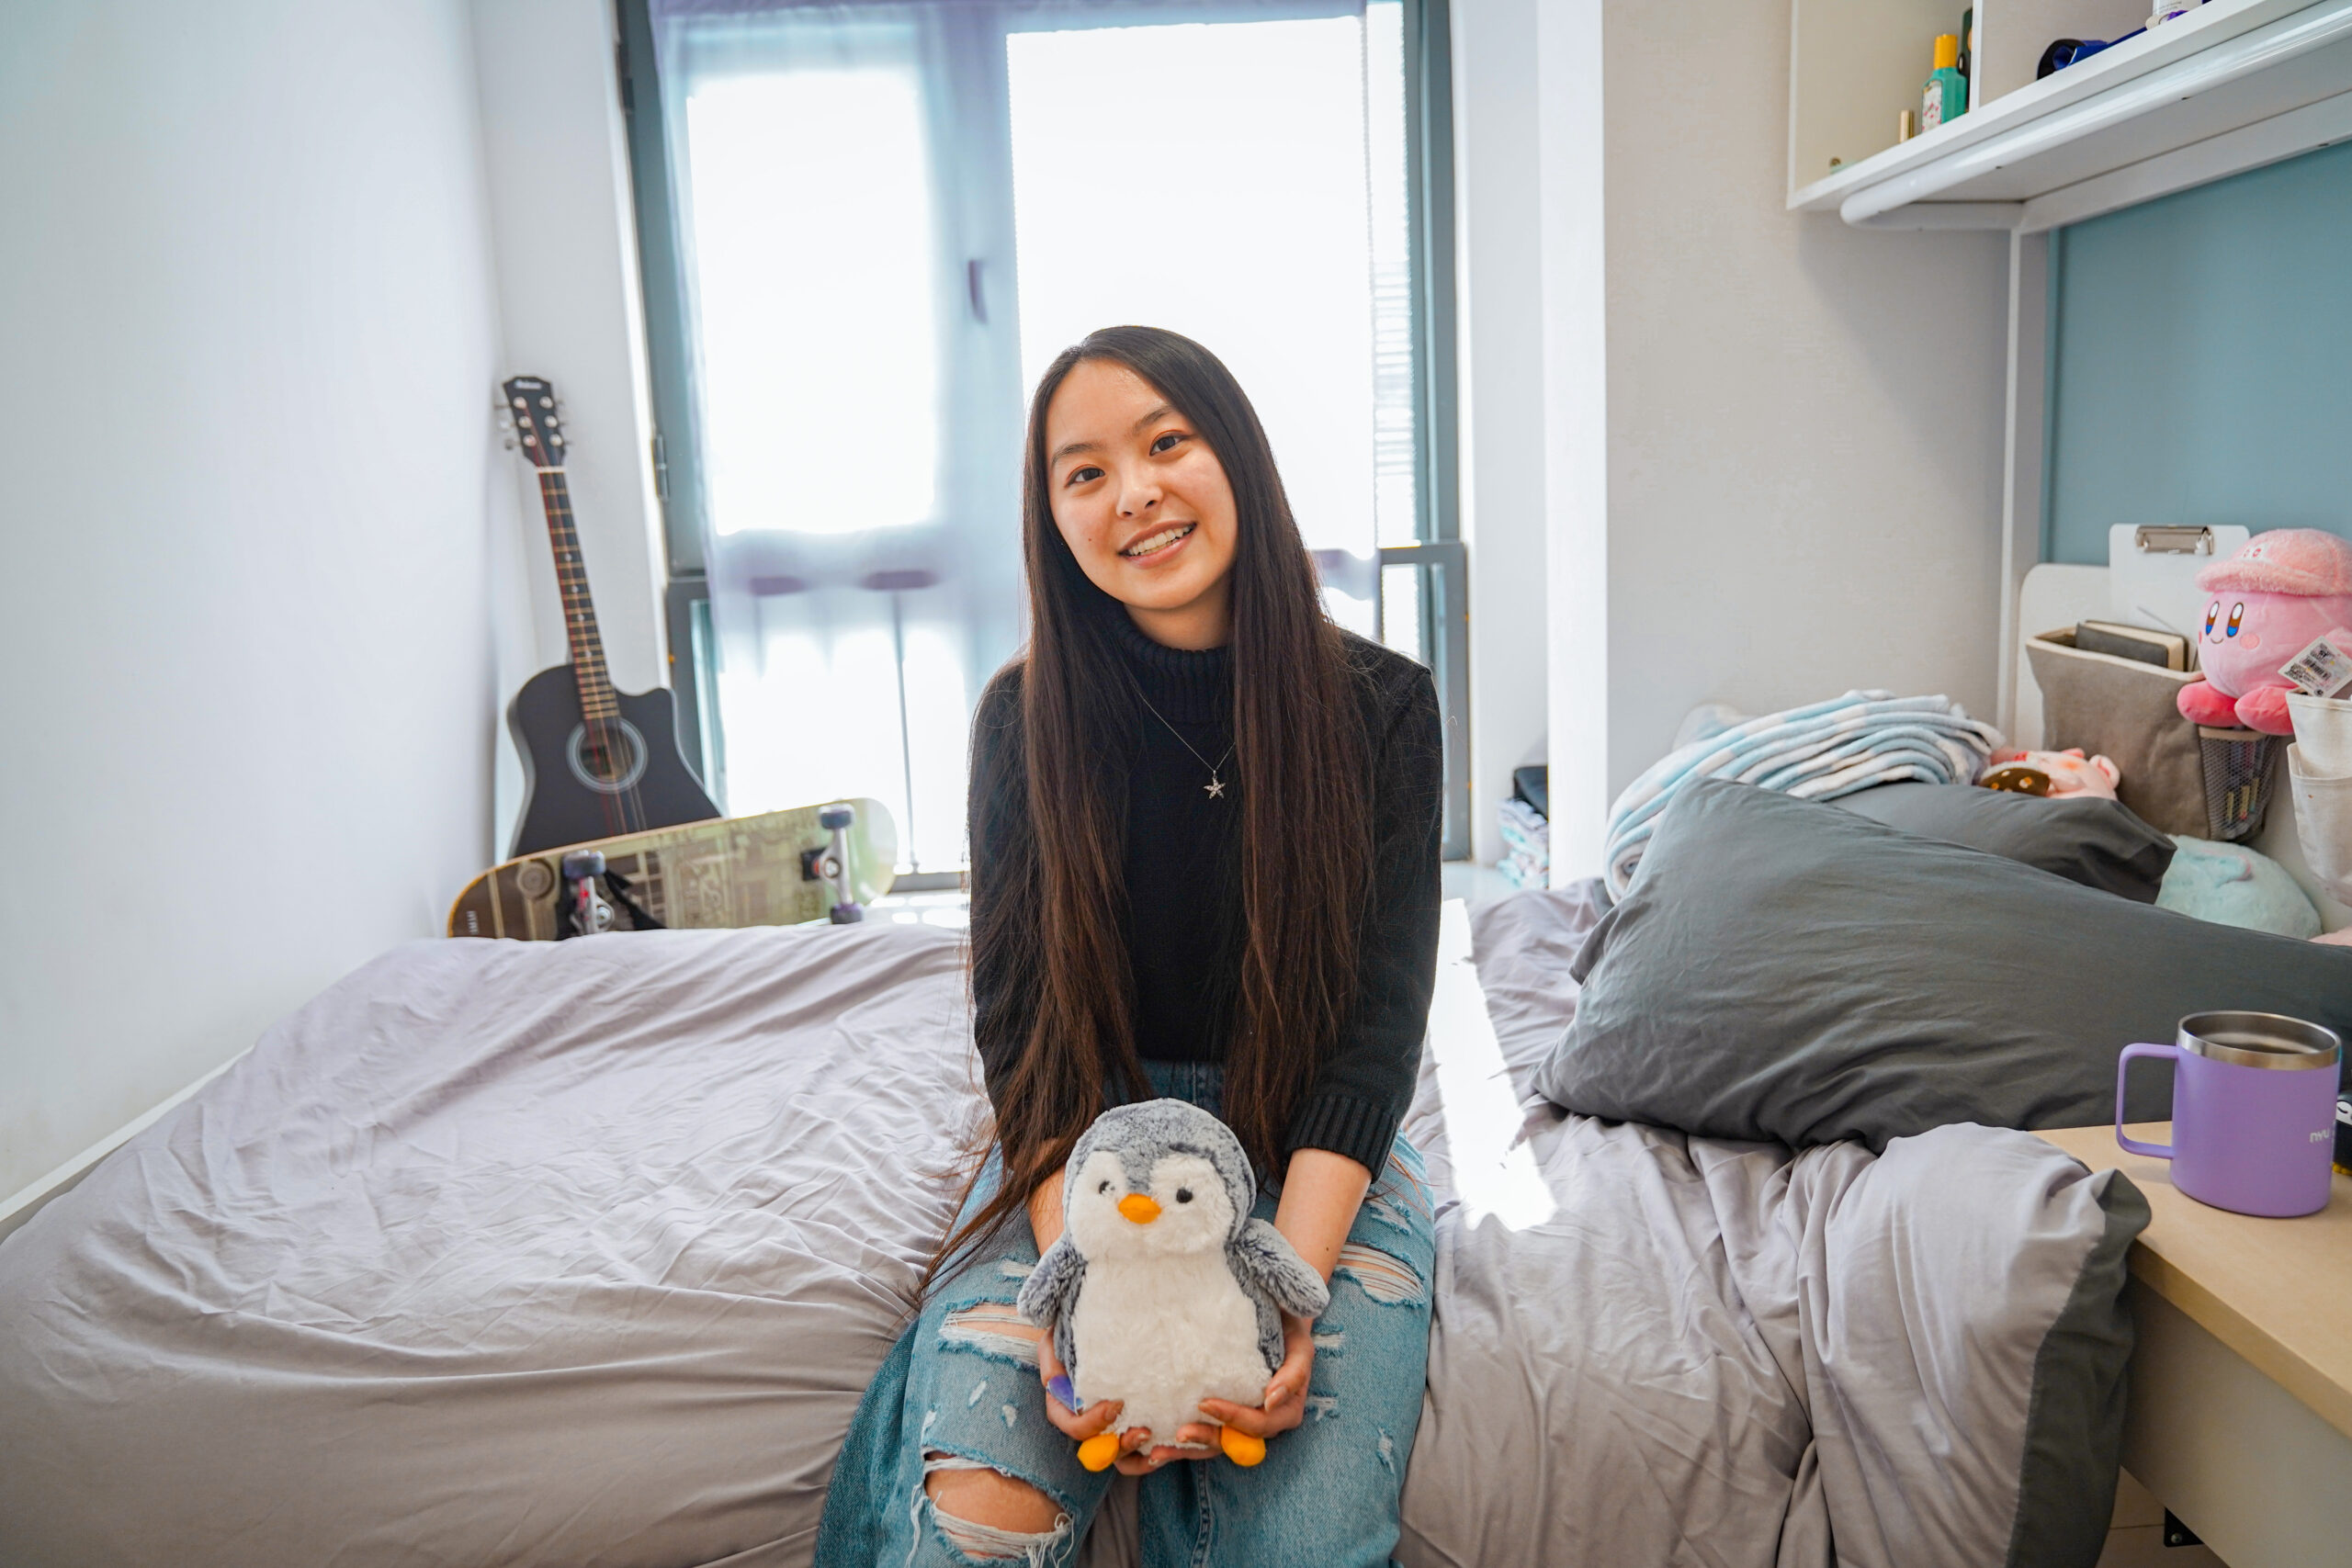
x,y
1215,787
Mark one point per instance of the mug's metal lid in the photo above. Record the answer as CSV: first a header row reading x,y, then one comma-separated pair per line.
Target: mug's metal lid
x,y
2260,1040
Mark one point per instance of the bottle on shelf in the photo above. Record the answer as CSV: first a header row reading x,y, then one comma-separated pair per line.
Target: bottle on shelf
x,y
1945,95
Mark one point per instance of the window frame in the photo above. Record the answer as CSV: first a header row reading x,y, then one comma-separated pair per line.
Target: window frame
x,y
1439,553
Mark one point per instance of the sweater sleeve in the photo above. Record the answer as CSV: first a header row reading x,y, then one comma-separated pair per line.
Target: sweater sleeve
x,y
1004,998
1362,1093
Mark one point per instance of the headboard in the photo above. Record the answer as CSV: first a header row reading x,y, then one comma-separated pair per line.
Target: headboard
x,y
2054,596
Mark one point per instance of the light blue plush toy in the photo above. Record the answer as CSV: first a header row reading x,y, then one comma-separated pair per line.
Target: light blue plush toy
x,y
2232,885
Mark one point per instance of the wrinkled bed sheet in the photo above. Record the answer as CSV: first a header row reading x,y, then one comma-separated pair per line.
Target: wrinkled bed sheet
x,y
1717,1353
582,1253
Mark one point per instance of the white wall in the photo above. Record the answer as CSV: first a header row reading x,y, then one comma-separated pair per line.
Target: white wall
x,y
555,150
1798,444
247,321
1500,290
1581,688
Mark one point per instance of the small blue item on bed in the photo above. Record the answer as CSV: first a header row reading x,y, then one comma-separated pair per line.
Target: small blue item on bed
x,y
1816,752
2231,885
1527,845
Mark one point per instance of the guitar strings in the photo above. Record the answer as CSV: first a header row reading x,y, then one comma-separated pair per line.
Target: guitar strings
x,y
623,808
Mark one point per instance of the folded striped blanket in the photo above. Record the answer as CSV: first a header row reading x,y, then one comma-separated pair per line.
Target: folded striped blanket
x,y
1817,752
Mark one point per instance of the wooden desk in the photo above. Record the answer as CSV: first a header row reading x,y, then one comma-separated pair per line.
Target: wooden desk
x,y
2241,1414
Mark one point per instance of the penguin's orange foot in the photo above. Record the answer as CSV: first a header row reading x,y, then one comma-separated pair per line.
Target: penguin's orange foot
x,y
1240,1446
1100,1450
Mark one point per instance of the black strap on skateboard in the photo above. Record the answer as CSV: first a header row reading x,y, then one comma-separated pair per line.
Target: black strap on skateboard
x,y
640,918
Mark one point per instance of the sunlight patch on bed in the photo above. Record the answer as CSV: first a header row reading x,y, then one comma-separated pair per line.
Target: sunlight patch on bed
x,y
1493,1171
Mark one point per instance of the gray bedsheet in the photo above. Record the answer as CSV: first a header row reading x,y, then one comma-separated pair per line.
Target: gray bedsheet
x,y
582,1254
571,1253
1717,1353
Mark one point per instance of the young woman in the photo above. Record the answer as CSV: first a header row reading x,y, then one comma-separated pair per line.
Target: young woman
x,y
1205,864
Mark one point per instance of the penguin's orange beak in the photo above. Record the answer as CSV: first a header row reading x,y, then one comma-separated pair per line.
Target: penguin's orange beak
x,y
1138,1208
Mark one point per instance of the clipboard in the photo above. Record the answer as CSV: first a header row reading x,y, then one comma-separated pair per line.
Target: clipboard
x,y
2152,573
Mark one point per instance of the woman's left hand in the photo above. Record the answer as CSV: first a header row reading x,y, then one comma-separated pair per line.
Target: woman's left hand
x,y
1285,1404
1285,1408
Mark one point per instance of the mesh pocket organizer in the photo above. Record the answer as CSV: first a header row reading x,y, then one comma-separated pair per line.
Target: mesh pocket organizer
x,y
2241,770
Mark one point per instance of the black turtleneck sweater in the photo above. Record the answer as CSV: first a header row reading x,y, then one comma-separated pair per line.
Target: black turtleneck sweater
x,y
1183,906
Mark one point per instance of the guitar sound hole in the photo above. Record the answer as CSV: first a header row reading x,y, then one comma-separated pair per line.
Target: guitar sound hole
x,y
609,759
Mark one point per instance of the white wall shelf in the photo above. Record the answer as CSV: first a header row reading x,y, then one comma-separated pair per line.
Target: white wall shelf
x,y
2233,86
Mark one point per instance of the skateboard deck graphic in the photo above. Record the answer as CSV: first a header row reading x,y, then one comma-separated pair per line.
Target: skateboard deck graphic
x,y
731,870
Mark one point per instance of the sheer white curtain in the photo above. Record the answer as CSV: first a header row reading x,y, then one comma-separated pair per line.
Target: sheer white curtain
x,y
891,214
859,394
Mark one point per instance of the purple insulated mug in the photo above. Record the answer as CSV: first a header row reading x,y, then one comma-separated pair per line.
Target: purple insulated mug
x,y
2253,1111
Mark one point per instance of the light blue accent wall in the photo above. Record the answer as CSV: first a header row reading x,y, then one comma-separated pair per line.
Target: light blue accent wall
x,y
2201,360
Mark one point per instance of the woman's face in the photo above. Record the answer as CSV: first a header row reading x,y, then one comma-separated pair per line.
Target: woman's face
x,y
1142,502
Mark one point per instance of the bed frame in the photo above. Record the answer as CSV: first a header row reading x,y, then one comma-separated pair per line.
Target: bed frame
x,y
28,1201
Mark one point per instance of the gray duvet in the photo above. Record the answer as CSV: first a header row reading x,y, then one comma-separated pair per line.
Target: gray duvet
x,y
582,1254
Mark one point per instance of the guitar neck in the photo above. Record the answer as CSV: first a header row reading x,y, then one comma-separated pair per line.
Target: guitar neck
x,y
596,699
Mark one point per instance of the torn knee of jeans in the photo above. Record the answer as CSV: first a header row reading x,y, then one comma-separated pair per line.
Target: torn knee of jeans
x,y
1323,1407
1382,1277
1388,1212
991,1329
989,1543
1331,1341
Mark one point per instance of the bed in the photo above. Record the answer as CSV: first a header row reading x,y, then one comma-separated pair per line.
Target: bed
x,y
581,1253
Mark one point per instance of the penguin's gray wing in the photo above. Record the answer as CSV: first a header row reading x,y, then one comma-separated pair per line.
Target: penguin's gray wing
x,y
1262,1257
1051,1289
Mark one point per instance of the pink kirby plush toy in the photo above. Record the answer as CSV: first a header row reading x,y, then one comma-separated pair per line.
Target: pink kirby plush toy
x,y
2270,601
2055,774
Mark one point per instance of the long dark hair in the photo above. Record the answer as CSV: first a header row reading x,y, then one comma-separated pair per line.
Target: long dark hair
x,y
1049,903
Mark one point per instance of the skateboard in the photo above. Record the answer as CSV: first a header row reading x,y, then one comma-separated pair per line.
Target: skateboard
x,y
776,869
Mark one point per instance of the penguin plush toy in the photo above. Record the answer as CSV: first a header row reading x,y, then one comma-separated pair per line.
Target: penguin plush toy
x,y
1162,1291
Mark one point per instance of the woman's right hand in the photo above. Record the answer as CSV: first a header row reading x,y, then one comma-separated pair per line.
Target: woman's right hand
x,y
1077,1425
1046,1224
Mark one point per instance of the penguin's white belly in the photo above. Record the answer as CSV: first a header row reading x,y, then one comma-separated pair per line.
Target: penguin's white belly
x,y
1162,1335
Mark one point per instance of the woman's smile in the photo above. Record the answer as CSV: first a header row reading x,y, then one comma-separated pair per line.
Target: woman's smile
x,y
1158,544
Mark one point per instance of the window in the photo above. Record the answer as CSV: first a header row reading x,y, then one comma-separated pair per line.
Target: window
x,y
867,227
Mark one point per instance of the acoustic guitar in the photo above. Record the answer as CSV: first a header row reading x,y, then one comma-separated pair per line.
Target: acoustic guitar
x,y
596,762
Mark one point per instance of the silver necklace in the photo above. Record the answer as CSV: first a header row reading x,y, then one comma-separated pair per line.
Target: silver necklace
x,y
1215,787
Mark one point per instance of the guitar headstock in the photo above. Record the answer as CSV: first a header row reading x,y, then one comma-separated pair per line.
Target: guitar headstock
x,y
538,424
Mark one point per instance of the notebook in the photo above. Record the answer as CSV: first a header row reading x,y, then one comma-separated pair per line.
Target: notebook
x,y
2167,650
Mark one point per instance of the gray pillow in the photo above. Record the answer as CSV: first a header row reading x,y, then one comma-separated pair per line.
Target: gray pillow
x,y
2098,843
1782,970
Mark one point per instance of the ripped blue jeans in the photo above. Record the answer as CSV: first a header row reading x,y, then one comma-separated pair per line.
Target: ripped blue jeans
x,y
960,1392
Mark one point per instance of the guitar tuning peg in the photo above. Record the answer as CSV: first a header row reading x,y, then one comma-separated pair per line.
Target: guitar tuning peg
x,y
510,444
505,420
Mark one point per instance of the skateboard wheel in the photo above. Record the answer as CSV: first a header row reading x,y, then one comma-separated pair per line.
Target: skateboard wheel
x,y
837,817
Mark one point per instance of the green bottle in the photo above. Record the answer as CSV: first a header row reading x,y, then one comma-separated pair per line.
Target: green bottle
x,y
1945,96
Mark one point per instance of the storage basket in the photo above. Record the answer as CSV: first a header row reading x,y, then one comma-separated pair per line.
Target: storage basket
x,y
2178,776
